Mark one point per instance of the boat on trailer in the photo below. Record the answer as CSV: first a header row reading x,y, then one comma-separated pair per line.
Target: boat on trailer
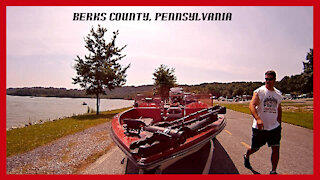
x,y
154,134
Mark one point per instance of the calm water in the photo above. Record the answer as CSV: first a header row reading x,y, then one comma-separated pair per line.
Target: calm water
x,y
22,110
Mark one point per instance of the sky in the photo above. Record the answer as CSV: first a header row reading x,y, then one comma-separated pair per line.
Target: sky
x,y
43,42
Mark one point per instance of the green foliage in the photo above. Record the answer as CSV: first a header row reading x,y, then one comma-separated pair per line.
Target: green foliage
x,y
25,139
164,79
293,84
100,69
300,83
225,89
308,72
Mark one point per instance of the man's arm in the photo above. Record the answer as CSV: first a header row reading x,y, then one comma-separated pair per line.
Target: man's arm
x,y
279,118
252,106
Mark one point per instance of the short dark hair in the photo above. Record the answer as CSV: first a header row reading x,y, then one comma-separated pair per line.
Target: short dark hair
x,y
272,73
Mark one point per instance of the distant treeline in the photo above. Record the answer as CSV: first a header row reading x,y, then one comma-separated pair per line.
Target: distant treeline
x,y
224,89
295,85
127,92
288,85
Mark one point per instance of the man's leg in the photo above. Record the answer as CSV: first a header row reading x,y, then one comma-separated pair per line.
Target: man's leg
x,y
251,151
275,157
274,141
257,141
247,155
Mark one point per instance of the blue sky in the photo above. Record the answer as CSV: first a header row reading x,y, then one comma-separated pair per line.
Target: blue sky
x,y
42,43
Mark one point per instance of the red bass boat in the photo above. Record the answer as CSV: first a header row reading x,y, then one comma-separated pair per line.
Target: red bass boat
x,y
154,135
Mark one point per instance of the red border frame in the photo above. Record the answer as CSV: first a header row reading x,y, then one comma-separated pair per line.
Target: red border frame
x,y
160,3
6,3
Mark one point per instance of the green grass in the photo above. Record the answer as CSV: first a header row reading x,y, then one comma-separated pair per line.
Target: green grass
x,y
303,119
25,139
244,108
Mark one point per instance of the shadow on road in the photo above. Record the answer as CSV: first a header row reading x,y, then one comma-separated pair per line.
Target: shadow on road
x,y
221,162
254,172
194,164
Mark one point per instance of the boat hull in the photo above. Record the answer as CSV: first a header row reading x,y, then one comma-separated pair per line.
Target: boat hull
x,y
162,159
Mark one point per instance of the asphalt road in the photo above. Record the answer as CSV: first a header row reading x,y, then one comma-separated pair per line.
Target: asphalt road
x,y
296,153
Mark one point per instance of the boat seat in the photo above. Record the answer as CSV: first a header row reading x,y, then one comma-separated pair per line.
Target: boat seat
x,y
137,123
133,123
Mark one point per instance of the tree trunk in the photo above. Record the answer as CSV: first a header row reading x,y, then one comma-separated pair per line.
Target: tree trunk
x,y
98,103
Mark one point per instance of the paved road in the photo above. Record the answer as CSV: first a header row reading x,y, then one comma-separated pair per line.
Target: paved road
x,y
296,153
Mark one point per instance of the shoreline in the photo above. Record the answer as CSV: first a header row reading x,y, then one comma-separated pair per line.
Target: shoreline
x,y
22,140
52,120
65,97
23,111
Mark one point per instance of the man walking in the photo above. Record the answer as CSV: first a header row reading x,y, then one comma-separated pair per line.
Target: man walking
x,y
265,107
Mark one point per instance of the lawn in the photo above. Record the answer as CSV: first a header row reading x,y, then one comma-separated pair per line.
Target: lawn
x,y
296,114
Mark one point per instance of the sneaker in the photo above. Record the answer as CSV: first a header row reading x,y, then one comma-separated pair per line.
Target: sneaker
x,y
273,172
247,162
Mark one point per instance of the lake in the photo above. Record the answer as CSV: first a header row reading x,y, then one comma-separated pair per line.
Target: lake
x,y
25,109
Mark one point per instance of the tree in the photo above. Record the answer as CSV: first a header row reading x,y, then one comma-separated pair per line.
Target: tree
x,y
238,91
164,79
100,70
308,72
293,84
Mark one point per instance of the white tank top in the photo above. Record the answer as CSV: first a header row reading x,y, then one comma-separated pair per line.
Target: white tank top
x,y
268,107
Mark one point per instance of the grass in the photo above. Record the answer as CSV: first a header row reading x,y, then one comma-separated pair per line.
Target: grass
x,y
25,139
299,116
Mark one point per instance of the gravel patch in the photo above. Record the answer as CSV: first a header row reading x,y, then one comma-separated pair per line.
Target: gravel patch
x,y
67,155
